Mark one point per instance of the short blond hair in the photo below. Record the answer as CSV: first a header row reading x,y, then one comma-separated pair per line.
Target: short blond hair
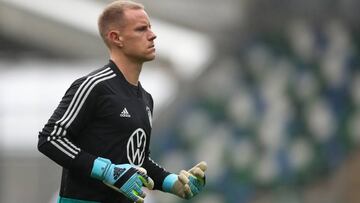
x,y
113,16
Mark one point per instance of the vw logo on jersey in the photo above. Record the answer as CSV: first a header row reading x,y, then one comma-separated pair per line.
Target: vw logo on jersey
x,y
136,147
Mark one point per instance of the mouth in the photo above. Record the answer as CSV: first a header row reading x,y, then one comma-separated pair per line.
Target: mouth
x,y
152,48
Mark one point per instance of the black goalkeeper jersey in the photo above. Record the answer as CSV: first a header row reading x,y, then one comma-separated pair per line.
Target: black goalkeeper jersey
x,y
100,115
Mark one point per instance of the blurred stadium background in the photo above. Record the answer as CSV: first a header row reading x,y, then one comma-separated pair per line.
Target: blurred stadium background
x,y
267,92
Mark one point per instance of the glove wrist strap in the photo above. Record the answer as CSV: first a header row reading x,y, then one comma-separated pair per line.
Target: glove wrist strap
x,y
100,167
169,182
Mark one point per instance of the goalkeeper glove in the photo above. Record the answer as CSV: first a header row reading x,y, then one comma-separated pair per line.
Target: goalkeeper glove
x,y
123,178
188,183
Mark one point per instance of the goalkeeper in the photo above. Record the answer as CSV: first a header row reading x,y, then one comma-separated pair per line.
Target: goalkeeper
x,y
100,131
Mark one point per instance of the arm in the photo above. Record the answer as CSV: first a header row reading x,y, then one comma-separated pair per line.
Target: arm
x,y
156,172
56,141
71,115
185,185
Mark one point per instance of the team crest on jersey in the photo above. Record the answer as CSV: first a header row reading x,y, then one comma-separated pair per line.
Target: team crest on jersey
x,y
136,147
149,115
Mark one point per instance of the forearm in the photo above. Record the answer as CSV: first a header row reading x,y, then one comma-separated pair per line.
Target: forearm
x,y
156,172
66,155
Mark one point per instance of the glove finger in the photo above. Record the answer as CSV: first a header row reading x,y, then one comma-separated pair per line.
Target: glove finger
x,y
134,197
150,183
195,185
186,173
183,177
138,181
138,191
198,183
138,188
197,172
202,165
188,176
140,200
137,199
146,181
187,192
141,170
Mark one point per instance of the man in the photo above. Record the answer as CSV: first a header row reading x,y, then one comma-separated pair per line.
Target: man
x,y
100,132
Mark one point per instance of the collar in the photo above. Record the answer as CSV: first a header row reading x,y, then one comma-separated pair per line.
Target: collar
x,y
117,71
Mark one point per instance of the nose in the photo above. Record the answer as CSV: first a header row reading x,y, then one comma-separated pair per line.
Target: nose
x,y
152,36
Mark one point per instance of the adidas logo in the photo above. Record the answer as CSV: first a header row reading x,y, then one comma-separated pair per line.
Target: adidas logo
x,y
125,113
118,172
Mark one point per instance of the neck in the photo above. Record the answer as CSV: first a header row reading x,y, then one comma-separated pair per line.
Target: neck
x,y
129,68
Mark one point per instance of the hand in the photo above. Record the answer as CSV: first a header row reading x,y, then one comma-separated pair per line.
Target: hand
x,y
188,183
123,178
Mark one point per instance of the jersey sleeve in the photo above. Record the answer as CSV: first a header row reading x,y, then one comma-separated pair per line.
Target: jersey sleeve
x,y
156,172
57,138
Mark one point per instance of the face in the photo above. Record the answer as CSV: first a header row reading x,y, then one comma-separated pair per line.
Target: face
x,y
137,38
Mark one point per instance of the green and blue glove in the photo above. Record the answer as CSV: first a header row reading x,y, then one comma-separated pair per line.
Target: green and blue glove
x,y
188,183
123,178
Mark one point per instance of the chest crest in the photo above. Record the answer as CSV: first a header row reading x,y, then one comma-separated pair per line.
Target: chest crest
x,y
149,115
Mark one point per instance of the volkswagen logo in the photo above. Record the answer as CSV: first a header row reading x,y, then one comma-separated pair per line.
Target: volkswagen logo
x,y
136,147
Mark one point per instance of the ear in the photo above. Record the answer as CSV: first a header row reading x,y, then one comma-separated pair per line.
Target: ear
x,y
115,38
